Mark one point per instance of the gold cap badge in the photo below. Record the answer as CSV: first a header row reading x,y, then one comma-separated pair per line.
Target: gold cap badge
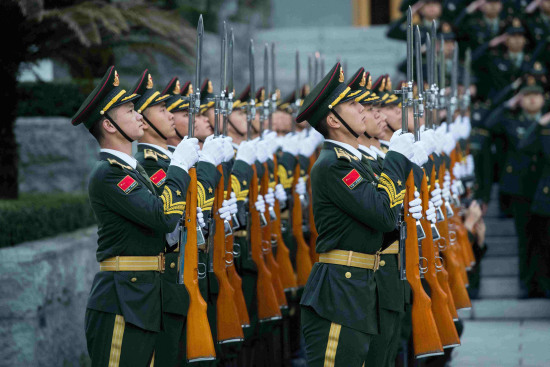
x,y
190,90
149,81
388,84
537,66
116,82
210,87
445,28
383,85
363,80
531,80
341,78
516,23
177,88
369,84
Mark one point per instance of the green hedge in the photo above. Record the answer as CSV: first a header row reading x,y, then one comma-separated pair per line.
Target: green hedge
x,y
49,99
35,216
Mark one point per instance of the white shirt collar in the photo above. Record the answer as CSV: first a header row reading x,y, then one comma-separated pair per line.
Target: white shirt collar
x,y
131,161
165,151
346,146
378,151
385,142
368,150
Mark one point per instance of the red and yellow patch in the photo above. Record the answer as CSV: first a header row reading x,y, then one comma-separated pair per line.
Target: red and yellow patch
x,y
159,177
352,179
127,184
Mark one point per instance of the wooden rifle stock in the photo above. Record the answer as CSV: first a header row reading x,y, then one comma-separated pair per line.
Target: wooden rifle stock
x,y
442,274
228,322
440,307
286,271
268,306
426,340
200,345
233,276
266,246
456,282
312,230
303,259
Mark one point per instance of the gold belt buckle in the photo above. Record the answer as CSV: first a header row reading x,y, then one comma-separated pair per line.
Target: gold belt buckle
x,y
376,261
161,262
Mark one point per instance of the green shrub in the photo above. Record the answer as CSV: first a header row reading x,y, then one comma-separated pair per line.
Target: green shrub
x,y
35,216
49,99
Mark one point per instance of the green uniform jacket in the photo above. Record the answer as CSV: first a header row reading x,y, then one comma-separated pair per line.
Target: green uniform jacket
x,y
536,143
132,221
352,211
175,298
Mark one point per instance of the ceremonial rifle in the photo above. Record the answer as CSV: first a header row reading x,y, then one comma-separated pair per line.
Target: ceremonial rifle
x,y
200,346
228,322
230,253
267,239
406,90
268,305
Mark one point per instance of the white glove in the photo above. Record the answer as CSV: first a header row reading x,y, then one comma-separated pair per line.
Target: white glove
x,y
420,157
446,192
235,208
173,237
301,186
263,150
430,213
402,143
291,144
246,152
228,152
280,142
470,165
449,144
186,154
212,151
454,188
415,206
260,204
270,197
228,207
200,217
428,138
280,193
307,147
436,196
271,137
466,127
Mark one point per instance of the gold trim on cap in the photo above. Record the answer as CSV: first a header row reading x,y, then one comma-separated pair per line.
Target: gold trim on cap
x,y
112,101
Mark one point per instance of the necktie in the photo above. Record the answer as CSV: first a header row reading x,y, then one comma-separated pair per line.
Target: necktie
x,y
142,172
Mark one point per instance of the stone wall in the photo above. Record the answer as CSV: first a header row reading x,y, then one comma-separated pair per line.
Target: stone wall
x,y
44,287
53,154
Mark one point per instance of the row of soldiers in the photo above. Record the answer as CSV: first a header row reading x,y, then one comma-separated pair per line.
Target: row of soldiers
x,y
508,41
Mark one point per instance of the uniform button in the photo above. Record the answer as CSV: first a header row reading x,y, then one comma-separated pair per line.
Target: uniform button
x,y
133,280
172,265
509,169
382,263
546,189
348,274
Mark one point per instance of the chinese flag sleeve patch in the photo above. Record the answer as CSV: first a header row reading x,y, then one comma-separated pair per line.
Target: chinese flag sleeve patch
x,y
159,177
352,179
127,184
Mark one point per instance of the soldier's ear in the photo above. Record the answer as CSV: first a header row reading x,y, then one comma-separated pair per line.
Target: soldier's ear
x,y
332,122
108,126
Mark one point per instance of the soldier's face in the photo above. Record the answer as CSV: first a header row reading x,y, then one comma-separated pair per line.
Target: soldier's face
x,y
431,10
162,119
238,119
491,9
129,120
373,121
393,116
515,42
353,114
532,102
181,120
209,113
202,127
282,122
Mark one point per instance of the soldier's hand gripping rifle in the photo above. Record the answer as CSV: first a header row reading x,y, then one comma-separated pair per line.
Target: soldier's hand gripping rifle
x,y
303,258
268,305
286,271
200,346
265,186
228,322
232,275
426,339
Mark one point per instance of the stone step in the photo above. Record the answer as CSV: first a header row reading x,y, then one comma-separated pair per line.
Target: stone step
x,y
507,309
501,246
500,227
500,266
499,287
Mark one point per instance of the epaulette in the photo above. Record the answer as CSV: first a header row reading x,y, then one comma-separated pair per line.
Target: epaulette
x,y
114,162
342,154
368,157
153,154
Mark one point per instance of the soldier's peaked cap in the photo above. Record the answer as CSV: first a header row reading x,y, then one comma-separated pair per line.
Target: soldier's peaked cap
x,y
149,96
330,92
106,96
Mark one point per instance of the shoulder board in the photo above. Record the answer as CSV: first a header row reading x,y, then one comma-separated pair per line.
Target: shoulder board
x,y
150,154
342,154
368,157
114,162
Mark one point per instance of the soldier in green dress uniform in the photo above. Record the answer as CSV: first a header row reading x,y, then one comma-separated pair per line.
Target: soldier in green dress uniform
x,y
178,105
124,310
340,301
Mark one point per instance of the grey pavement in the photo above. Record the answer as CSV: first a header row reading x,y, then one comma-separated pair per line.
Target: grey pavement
x,y
504,344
